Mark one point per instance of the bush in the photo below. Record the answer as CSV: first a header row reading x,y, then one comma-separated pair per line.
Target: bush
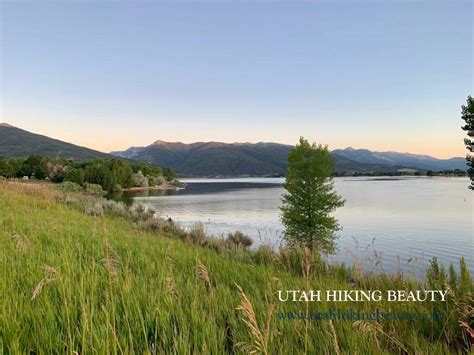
x,y
197,234
69,186
141,213
177,183
140,180
95,210
93,189
115,208
157,225
240,239
217,244
156,180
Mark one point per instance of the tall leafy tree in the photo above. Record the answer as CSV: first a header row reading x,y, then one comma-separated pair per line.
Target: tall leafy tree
x,y
35,166
310,198
467,114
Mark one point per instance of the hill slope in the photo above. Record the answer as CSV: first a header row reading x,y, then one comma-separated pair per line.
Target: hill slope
x,y
18,143
105,285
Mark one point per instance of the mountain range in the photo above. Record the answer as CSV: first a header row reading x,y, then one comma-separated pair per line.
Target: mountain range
x,y
234,159
422,162
219,159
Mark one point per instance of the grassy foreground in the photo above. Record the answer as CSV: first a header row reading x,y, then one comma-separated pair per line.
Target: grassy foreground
x,y
75,283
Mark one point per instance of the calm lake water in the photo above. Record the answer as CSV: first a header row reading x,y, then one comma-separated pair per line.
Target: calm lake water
x,y
388,224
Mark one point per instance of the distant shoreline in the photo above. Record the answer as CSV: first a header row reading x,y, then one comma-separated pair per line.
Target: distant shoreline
x,y
147,188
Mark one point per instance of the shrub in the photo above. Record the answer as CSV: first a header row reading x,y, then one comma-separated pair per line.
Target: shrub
x,y
240,239
174,229
95,210
140,180
115,208
217,244
156,180
156,224
141,213
93,189
197,234
56,169
69,186
71,200
177,183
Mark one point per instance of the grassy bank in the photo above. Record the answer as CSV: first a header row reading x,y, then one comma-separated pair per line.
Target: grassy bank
x,y
92,281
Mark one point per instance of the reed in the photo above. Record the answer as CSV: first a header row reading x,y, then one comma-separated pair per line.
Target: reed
x,y
260,336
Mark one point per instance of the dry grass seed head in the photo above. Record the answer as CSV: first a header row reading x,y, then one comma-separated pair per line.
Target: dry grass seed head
x,y
171,287
306,261
334,338
22,244
203,274
50,276
260,343
111,261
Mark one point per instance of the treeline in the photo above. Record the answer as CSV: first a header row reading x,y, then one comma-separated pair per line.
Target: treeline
x,y
110,174
456,172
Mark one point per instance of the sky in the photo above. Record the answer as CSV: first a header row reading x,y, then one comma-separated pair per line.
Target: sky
x,y
108,75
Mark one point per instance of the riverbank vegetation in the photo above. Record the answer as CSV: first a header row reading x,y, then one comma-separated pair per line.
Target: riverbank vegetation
x,y
110,174
83,274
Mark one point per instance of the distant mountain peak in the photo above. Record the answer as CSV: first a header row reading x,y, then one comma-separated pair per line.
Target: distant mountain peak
x,y
161,142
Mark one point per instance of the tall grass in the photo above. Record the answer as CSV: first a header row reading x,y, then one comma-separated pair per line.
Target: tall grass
x,y
107,283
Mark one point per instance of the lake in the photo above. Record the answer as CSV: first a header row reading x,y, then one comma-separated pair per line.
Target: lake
x,y
388,223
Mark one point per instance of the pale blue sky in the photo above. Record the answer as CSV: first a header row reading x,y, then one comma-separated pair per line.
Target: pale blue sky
x,y
112,74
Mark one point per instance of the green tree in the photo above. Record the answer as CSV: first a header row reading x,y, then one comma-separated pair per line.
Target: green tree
x,y
15,167
310,198
35,166
467,114
75,175
169,174
4,167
